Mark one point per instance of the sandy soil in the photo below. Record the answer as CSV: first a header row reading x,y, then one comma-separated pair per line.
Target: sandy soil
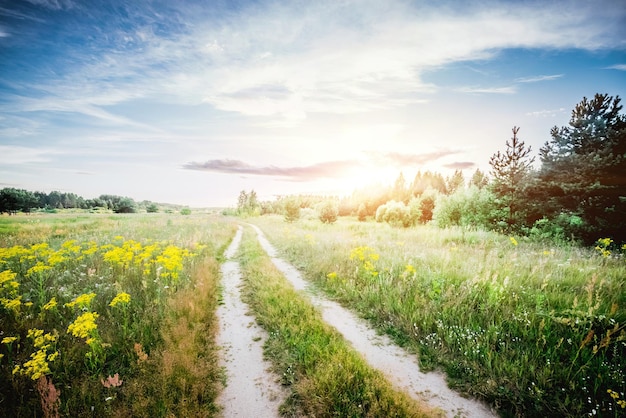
x,y
401,368
251,390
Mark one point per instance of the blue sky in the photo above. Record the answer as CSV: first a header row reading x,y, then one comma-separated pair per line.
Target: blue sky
x,y
190,102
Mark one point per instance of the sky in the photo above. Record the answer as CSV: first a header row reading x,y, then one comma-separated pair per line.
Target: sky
x,y
191,101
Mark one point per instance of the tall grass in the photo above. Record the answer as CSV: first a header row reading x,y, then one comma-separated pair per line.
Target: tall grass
x,y
326,377
107,315
532,329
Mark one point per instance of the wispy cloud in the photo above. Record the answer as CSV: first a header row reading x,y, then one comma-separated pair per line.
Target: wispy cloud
x,y
331,57
15,155
53,4
620,67
488,90
460,165
546,113
329,169
535,79
396,159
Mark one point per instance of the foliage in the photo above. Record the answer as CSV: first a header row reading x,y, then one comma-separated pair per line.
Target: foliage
x,y
471,207
328,212
510,171
248,203
292,210
582,169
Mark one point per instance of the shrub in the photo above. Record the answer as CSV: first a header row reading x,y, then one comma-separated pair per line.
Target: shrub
x,y
328,212
292,210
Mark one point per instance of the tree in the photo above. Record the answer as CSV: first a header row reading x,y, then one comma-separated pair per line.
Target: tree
x,y
292,210
400,192
455,182
510,171
583,169
479,179
15,200
328,211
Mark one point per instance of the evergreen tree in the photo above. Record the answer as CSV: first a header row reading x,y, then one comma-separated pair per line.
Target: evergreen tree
x,y
583,169
511,171
455,182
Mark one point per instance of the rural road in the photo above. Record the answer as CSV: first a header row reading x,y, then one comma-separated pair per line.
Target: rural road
x,y
253,391
400,367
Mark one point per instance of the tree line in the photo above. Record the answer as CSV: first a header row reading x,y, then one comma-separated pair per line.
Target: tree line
x,y
576,193
14,200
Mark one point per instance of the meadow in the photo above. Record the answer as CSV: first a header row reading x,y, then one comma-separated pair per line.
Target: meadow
x,y
531,328
110,315
114,315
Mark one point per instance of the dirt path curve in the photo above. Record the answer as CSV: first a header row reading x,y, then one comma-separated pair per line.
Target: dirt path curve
x,y
251,390
381,353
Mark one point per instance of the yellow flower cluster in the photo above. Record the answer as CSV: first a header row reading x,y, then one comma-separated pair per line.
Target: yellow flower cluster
x,y
38,365
9,298
82,301
602,246
367,256
121,297
171,260
84,326
620,402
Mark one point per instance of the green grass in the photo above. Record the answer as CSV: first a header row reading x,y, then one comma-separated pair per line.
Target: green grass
x,y
533,330
160,343
325,376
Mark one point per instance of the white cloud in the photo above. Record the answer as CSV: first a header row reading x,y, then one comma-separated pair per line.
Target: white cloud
x,y
15,155
620,67
535,79
487,90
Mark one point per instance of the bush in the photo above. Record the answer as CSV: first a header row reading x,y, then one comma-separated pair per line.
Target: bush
x,y
185,211
361,212
466,207
292,210
328,212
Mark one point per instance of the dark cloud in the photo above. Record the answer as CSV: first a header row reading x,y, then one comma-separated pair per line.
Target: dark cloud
x,y
327,169
460,165
396,158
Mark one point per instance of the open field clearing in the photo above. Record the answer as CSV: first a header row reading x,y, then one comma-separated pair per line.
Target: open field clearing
x,y
534,330
110,315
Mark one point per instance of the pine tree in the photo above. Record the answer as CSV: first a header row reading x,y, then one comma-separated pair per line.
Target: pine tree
x,y
510,171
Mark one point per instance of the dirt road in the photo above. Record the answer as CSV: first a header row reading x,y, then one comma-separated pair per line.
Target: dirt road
x,y
251,390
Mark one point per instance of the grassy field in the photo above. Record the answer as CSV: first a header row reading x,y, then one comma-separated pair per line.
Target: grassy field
x,y
110,315
535,330
114,315
325,376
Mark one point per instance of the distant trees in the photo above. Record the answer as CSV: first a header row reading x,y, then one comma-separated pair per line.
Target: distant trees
x,y
578,192
248,203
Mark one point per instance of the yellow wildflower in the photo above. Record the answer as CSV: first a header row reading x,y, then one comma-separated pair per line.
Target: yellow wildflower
x,y
8,340
51,304
332,275
121,297
82,301
513,241
84,325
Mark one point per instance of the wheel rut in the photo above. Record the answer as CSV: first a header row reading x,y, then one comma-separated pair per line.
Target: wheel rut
x,y
400,367
251,389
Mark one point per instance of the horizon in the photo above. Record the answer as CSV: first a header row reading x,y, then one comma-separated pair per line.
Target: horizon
x,y
189,103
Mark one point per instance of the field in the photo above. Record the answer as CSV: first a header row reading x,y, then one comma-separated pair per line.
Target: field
x,y
533,329
114,315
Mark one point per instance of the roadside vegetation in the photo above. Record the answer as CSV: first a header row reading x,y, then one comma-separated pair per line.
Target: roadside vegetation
x,y
326,377
109,315
533,329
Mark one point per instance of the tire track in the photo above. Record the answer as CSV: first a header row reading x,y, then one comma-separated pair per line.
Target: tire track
x,y
251,390
395,363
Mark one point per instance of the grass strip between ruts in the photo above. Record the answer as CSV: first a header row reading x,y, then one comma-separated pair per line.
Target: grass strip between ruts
x,y
325,375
